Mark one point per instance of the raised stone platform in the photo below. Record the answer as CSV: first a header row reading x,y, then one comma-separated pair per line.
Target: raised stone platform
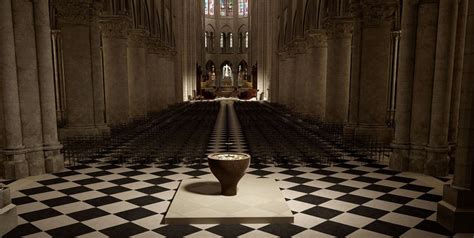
x,y
258,200
8,213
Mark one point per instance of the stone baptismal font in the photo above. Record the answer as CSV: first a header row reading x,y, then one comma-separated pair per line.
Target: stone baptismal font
x,y
228,168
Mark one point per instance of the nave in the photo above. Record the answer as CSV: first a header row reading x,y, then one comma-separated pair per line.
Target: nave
x,y
122,186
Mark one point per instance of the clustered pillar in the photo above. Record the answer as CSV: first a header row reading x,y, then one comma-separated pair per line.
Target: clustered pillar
x,y
338,69
30,145
456,211
428,48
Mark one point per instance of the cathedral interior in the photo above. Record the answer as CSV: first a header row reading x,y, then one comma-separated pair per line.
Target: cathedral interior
x,y
359,112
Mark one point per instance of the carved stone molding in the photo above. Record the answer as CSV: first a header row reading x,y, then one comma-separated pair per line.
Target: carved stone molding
x,y
155,46
316,39
301,46
115,27
137,38
339,28
375,13
73,12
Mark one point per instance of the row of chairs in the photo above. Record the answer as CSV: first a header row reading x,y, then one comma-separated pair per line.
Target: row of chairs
x,y
177,135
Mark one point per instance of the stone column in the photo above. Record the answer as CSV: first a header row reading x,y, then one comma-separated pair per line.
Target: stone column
x,y
456,211
27,70
282,94
152,76
299,76
457,78
370,91
338,69
290,78
401,143
53,157
318,70
97,72
78,23
115,33
137,73
437,163
15,166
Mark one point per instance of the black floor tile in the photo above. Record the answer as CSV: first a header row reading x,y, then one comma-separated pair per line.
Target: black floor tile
x,y
282,230
101,201
135,214
230,230
324,172
414,211
123,181
88,214
431,197
52,181
124,230
113,190
304,189
99,173
40,214
386,228
152,190
334,228
394,198
354,199
158,181
312,199
368,212
298,180
433,227
401,179
22,200
330,179
59,201
417,188
88,181
33,191
342,188
379,188
366,179
355,172
75,190
176,230
322,212
22,230
144,201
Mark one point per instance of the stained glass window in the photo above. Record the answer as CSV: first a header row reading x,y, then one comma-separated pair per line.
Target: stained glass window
x,y
226,8
206,38
231,41
222,40
209,7
243,8
247,40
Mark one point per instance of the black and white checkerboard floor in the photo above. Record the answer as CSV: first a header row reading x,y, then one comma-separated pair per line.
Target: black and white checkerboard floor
x,y
349,199
227,135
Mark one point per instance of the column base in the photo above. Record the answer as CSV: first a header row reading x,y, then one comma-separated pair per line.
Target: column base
x,y
83,131
8,213
437,162
16,167
36,165
456,211
399,160
54,160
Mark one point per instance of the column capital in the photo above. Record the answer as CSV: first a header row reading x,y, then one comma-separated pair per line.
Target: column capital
x,y
115,27
339,28
156,46
137,38
375,13
316,38
73,12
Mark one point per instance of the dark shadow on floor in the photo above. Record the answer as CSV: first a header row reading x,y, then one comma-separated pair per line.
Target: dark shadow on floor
x,y
204,188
